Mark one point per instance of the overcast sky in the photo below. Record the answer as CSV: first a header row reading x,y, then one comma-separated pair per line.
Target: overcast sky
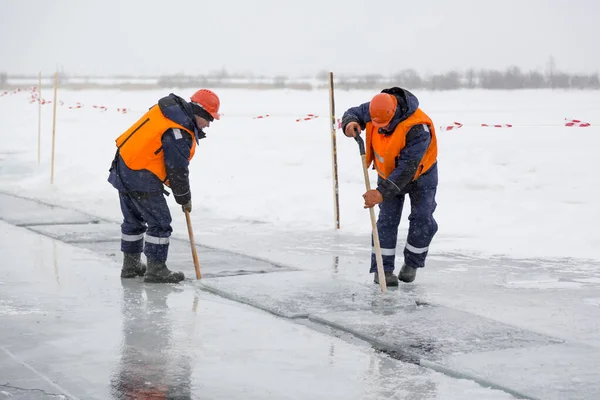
x,y
296,37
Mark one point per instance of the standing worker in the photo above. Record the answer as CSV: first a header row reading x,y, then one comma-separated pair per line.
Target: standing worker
x,y
402,145
153,152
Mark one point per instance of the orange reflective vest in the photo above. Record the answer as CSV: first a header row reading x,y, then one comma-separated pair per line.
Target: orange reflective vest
x,y
383,150
140,146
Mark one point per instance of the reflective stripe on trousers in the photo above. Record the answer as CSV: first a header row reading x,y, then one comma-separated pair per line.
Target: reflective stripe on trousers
x,y
421,230
149,218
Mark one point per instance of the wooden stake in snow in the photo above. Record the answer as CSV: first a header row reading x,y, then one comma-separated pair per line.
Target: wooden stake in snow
x,y
53,128
39,93
336,196
193,244
378,257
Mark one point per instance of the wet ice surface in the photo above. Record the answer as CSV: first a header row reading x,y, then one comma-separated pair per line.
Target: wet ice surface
x,y
8,392
18,211
69,332
300,294
93,336
552,300
92,233
496,308
553,296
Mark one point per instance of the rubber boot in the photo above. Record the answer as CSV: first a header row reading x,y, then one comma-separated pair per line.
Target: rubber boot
x,y
390,278
407,274
158,272
132,265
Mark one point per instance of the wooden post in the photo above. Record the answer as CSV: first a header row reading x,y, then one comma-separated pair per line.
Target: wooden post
x,y
53,128
336,196
39,117
378,257
193,245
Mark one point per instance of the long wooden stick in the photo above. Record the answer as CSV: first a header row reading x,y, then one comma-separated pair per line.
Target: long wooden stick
x,y
336,194
53,128
378,257
193,245
39,117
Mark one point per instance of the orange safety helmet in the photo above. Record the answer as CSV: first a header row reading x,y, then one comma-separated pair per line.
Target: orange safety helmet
x,y
382,109
208,100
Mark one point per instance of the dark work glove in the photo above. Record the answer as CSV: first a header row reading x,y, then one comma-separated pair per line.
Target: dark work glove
x,y
182,199
187,206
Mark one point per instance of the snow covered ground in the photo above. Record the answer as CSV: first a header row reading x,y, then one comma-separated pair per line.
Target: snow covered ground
x,y
528,191
517,207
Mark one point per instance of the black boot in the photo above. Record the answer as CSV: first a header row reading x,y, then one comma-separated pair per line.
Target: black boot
x,y
390,278
132,265
407,274
158,272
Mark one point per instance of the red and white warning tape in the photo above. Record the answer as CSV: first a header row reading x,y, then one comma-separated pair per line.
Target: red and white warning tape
x,y
497,125
35,98
576,123
456,125
17,91
307,117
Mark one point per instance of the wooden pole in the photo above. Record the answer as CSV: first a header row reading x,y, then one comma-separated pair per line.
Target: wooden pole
x,y
39,117
53,128
378,257
336,195
193,244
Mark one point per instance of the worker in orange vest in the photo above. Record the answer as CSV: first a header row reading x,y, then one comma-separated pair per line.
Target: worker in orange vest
x,y
155,151
402,146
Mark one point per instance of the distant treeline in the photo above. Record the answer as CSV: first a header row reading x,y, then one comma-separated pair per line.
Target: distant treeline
x,y
511,78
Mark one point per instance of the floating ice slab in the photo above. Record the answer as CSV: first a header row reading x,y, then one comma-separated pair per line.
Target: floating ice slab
x,y
104,238
101,337
518,361
80,233
432,332
300,294
566,371
19,211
